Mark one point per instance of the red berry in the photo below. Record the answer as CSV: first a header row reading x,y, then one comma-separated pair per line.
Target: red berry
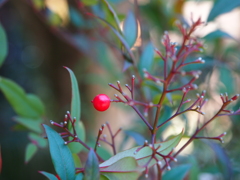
x,y
101,102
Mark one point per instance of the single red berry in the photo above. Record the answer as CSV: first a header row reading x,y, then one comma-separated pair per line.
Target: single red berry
x,y
101,102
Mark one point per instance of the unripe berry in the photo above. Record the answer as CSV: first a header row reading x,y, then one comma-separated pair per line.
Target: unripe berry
x,y
101,102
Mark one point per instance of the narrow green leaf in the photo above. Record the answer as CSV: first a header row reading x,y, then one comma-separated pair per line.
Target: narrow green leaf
x,y
75,102
143,155
30,123
91,171
177,173
114,14
130,29
76,147
79,176
49,175
24,105
125,168
146,59
60,154
221,7
37,139
3,45
31,149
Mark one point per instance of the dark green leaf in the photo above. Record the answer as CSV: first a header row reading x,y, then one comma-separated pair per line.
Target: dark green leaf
x,y
76,17
91,171
60,154
139,139
89,2
146,58
177,173
143,156
125,168
24,105
3,45
30,123
222,6
217,34
49,175
130,29
31,149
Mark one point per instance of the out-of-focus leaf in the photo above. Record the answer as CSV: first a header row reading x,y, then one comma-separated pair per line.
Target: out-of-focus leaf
x,y
125,168
77,161
76,17
139,139
177,173
53,18
25,105
37,139
114,15
195,170
31,149
221,7
60,154
175,97
130,29
89,2
102,177
227,80
49,175
145,153
217,34
30,123
146,59
91,171
3,45
79,176
76,147
123,41
39,4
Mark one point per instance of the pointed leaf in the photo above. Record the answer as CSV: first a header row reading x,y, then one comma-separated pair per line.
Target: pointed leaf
x,y
60,154
130,29
24,105
30,123
143,155
75,102
49,175
31,149
221,7
177,173
91,171
3,45
146,59
217,34
125,168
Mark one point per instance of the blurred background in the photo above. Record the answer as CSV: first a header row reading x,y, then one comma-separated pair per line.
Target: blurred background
x,y
45,35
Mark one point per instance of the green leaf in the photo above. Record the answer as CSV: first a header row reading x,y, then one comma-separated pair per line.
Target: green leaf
x,y
75,102
31,149
217,34
49,175
226,79
89,2
60,154
30,123
113,14
102,177
177,173
130,29
125,168
146,59
79,176
25,105
3,45
143,155
91,171
76,17
76,147
77,161
37,139
221,7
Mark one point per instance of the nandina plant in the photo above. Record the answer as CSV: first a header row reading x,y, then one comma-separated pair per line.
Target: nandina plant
x,y
153,157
